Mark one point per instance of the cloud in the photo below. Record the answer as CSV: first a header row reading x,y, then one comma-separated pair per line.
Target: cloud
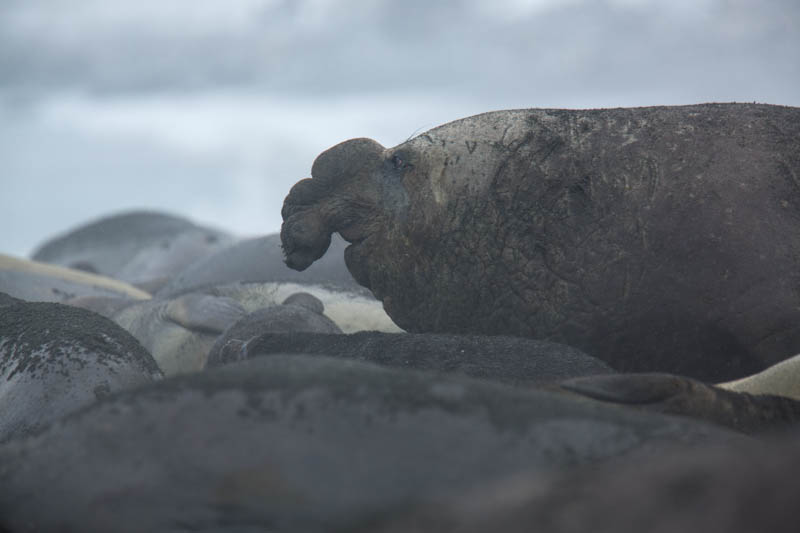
x,y
316,47
213,109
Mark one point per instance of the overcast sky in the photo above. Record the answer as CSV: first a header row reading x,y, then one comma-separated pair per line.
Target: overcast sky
x,y
213,109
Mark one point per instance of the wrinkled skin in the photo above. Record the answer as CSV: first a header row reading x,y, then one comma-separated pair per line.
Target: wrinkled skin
x,y
657,239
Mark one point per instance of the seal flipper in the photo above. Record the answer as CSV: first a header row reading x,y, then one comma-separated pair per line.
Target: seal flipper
x,y
204,312
677,395
640,389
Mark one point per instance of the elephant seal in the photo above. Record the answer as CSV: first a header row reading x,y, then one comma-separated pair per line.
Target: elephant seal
x,y
657,239
352,309
40,282
677,395
300,312
737,489
180,332
510,360
253,270
304,444
55,359
141,247
259,259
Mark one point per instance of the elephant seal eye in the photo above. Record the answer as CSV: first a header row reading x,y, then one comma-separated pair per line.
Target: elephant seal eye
x,y
399,162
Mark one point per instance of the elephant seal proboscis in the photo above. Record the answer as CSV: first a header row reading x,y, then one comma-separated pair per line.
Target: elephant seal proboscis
x,y
656,238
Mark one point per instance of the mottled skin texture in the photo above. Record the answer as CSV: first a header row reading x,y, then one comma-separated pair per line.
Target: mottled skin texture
x,y
55,359
657,239
512,360
304,444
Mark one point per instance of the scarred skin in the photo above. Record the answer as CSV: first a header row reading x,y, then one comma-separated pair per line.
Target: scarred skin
x,y
657,239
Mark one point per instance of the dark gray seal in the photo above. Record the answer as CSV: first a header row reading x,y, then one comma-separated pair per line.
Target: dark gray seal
x,y
303,444
55,359
511,360
656,239
141,247
300,312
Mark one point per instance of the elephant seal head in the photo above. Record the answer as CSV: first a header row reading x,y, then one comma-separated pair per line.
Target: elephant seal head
x,y
413,214
359,189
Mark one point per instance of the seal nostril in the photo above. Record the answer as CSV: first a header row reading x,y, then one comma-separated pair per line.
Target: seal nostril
x,y
297,261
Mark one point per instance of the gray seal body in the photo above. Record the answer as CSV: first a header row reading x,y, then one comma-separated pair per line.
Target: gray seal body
x,y
304,444
55,359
